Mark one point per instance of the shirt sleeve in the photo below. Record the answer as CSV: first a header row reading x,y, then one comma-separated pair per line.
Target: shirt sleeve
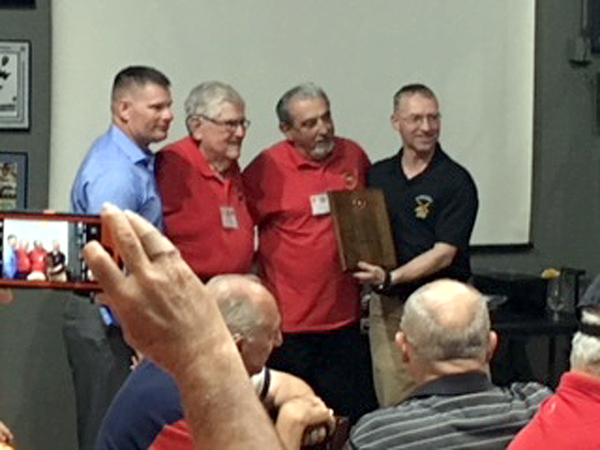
x,y
456,218
365,166
117,187
252,178
172,171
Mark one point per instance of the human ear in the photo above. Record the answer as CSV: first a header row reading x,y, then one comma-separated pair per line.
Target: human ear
x,y
492,344
395,121
402,345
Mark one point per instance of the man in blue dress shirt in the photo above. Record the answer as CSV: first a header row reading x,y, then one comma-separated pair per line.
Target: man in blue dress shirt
x,y
9,257
119,169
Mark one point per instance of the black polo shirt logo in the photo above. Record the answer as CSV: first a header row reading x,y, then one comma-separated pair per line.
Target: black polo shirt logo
x,y
424,206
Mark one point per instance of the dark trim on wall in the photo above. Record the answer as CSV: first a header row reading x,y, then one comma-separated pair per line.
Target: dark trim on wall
x,y
500,249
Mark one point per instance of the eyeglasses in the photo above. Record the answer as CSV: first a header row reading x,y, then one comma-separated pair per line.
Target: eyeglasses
x,y
417,119
229,125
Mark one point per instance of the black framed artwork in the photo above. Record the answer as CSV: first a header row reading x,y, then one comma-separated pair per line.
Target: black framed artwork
x,y
13,181
14,84
17,3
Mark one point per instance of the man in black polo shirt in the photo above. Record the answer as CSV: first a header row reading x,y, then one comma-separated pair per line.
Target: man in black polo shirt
x,y
432,203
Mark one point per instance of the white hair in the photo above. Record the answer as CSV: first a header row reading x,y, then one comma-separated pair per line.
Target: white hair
x,y
585,351
207,99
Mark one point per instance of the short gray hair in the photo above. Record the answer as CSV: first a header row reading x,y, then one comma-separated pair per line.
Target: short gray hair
x,y
434,342
302,91
235,303
585,350
411,89
207,98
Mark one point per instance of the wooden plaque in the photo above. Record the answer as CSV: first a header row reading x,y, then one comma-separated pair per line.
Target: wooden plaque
x,y
362,228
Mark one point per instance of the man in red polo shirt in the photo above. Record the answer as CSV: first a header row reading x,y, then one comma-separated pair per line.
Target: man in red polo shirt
x,y
297,256
199,180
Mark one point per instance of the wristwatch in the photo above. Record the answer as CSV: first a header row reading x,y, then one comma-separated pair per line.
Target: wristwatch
x,y
383,287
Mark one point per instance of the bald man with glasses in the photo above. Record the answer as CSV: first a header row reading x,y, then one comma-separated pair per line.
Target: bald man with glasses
x,y
199,180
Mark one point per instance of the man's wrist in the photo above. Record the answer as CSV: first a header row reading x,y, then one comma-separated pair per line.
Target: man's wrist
x,y
384,286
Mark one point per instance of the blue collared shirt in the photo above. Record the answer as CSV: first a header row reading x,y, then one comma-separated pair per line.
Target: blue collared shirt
x,y
118,171
9,263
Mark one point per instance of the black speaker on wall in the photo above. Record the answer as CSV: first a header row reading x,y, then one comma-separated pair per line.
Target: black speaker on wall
x,y
593,20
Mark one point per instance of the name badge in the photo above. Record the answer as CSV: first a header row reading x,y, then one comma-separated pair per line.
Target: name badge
x,y
229,218
319,204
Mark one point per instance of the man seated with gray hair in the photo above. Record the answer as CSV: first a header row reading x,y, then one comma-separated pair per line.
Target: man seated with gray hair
x,y
446,343
569,419
147,412
200,185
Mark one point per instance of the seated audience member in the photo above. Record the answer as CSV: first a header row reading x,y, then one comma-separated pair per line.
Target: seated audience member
x,y
446,342
147,412
166,312
569,419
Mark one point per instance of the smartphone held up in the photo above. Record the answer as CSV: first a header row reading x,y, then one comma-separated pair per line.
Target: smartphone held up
x,y
44,250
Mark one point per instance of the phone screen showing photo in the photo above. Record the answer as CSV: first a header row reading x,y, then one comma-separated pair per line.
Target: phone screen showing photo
x,y
46,252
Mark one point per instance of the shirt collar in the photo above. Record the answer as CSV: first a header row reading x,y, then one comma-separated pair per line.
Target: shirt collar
x,y
437,156
129,147
462,383
588,384
207,171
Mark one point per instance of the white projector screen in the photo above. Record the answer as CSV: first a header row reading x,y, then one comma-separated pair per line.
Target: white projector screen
x,y
477,55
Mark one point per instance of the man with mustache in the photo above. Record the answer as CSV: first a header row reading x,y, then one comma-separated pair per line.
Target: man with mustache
x,y
298,257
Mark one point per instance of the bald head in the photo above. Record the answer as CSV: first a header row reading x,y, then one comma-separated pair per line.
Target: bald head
x,y
447,320
251,314
244,302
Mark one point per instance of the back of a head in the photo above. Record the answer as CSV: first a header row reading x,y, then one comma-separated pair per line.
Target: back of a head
x,y
302,91
207,98
137,77
585,348
447,320
240,299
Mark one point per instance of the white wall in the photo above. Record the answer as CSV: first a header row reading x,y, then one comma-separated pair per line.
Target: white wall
x,y
477,55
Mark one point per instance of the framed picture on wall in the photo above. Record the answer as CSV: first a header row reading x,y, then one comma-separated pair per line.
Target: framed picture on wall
x,y
14,85
17,3
13,181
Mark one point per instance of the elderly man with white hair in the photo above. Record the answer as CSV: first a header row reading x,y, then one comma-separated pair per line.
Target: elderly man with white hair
x,y
199,180
569,419
446,342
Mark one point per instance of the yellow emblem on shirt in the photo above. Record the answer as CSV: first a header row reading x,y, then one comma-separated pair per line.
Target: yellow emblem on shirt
x,y
424,206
